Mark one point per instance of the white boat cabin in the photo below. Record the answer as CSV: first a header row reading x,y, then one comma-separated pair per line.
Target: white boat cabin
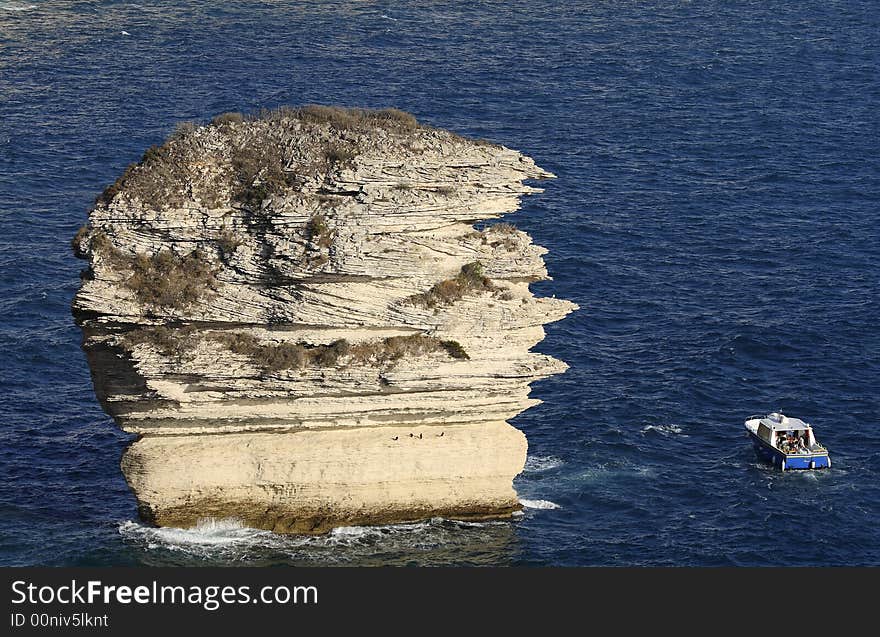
x,y
789,435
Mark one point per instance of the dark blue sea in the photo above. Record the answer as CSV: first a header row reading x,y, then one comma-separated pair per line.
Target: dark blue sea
x,y
715,216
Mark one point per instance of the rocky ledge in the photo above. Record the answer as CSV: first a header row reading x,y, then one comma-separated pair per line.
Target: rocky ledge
x,y
297,316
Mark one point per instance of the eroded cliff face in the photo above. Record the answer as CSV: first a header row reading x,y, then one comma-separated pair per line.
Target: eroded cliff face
x,y
296,314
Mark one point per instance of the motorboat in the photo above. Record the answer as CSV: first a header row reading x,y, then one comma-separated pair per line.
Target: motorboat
x,y
787,443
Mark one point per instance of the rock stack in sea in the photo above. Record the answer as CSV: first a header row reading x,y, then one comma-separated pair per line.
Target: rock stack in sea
x,y
299,319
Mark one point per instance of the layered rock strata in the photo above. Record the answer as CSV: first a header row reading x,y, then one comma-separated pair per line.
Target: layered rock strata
x,y
298,317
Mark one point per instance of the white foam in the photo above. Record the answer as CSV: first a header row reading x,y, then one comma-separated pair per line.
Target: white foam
x,y
229,539
349,531
666,430
16,6
208,532
536,464
539,504
347,534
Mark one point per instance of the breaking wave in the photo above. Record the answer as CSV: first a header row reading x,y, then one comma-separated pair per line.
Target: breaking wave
x,y
206,534
537,464
16,6
229,540
664,430
539,504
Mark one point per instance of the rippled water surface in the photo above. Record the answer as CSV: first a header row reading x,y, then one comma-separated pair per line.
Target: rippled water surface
x,y
715,216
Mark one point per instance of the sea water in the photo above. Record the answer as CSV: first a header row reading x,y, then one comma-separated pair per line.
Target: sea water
x,y
715,216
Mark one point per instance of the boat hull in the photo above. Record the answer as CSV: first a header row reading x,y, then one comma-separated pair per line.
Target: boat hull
x,y
808,460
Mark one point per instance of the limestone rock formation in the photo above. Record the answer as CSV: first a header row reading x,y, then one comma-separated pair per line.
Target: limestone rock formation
x,y
298,317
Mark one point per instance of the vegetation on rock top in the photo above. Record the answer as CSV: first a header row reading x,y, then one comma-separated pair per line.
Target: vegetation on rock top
x,y
251,155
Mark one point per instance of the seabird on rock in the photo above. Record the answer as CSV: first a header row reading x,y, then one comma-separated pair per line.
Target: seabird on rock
x,y
395,437
420,436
